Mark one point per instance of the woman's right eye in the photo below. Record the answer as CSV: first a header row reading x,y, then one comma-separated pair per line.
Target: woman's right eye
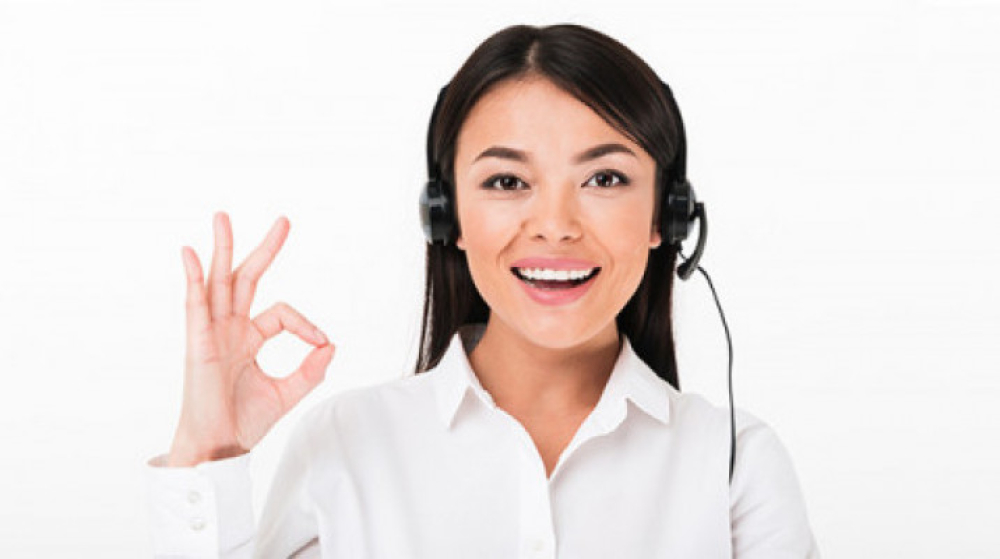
x,y
505,181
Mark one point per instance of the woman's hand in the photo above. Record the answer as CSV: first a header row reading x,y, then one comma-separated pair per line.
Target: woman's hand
x,y
229,402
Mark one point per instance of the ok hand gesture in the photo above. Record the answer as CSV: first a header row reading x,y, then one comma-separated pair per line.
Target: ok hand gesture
x,y
229,402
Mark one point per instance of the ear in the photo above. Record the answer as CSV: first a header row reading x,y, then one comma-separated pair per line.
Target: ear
x,y
654,238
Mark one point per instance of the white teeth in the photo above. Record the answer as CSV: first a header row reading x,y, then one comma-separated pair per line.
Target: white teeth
x,y
547,274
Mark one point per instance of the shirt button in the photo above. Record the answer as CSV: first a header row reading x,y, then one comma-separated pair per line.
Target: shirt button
x,y
197,524
538,545
194,497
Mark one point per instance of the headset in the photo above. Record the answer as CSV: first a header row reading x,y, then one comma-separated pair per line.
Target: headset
x,y
678,212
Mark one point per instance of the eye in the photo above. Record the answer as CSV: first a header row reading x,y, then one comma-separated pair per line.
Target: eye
x,y
506,181
622,179
510,182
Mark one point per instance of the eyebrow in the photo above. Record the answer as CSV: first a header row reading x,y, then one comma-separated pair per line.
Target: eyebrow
x,y
587,155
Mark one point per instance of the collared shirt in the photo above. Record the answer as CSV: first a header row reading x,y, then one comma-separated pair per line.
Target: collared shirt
x,y
428,466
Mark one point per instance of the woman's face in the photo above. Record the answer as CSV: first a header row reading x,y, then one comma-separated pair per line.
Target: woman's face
x,y
552,203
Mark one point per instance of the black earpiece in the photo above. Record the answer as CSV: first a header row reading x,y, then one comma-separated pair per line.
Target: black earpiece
x,y
680,208
437,213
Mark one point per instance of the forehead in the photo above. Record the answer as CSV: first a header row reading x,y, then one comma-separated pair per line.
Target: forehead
x,y
537,116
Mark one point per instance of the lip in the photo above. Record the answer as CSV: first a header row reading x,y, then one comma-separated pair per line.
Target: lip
x,y
554,297
554,263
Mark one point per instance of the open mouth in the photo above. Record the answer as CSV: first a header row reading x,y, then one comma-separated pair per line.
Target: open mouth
x,y
555,284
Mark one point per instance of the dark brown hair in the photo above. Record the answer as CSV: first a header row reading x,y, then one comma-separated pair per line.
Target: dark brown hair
x,y
621,88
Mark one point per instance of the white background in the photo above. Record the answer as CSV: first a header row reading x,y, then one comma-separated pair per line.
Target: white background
x,y
846,152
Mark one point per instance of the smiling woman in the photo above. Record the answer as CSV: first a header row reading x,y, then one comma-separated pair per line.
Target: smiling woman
x,y
546,393
561,152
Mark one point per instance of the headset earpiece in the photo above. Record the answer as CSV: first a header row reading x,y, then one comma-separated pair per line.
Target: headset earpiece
x,y
437,215
679,205
436,212
683,209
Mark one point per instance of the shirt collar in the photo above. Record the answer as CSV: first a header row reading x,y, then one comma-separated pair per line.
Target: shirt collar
x,y
631,379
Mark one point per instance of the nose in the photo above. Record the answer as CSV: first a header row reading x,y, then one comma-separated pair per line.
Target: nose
x,y
554,214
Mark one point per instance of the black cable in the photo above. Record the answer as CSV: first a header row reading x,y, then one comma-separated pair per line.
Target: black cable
x,y
729,342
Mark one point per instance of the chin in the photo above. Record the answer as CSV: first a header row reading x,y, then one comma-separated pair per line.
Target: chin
x,y
562,332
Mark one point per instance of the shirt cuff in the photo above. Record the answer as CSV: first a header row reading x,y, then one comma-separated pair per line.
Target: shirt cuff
x,y
200,511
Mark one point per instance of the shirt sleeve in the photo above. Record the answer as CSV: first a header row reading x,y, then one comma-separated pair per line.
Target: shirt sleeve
x,y
201,511
206,511
767,509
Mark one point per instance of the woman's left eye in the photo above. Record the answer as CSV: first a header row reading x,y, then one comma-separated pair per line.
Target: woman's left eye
x,y
610,175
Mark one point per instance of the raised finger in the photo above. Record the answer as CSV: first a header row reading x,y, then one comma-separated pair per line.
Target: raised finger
x,y
282,316
196,307
248,273
220,277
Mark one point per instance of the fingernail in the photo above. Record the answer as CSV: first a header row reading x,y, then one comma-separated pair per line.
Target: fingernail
x,y
320,335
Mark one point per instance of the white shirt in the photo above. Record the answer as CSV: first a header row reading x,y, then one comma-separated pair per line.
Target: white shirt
x,y
427,466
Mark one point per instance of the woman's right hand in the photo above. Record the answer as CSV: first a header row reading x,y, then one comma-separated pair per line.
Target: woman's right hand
x,y
229,402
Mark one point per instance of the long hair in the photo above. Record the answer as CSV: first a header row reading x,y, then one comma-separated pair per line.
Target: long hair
x,y
621,88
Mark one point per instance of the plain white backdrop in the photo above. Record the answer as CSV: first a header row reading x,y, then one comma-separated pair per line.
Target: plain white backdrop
x,y
845,150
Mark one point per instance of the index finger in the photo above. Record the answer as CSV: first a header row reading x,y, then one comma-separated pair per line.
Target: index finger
x,y
219,275
196,306
247,274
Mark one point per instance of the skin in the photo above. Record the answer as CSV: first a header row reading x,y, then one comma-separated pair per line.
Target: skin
x,y
547,365
229,402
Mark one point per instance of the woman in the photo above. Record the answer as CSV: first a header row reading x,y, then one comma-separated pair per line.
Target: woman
x,y
544,418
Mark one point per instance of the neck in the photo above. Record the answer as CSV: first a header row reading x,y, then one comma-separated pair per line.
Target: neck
x,y
525,378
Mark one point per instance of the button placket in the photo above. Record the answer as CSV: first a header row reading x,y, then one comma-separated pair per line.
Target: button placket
x,y
537,540
536,525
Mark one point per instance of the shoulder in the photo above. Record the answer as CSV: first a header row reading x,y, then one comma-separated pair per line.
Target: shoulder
x,y
759,450
767,505
691,408
692,411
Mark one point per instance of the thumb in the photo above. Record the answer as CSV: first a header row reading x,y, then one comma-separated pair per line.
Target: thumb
x,y
310,373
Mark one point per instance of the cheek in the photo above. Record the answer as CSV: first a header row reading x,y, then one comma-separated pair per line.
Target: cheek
x,y
485,232
485,218
625,236
487,222
626,229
